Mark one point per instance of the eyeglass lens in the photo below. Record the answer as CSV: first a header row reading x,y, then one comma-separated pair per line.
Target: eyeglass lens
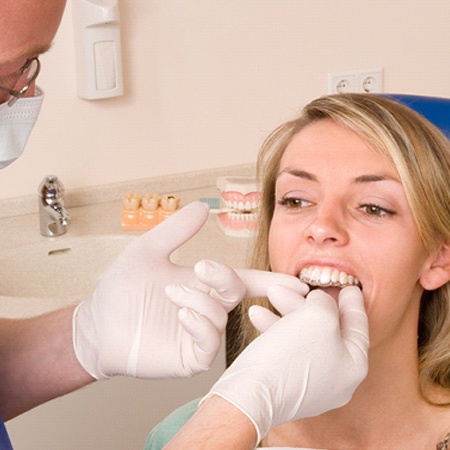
x,y
28,75
20,81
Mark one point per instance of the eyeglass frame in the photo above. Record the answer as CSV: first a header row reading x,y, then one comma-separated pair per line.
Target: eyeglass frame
x,y
15,95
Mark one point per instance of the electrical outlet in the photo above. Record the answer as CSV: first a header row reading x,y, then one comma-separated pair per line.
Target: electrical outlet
x,y
341,83
364,80
370,80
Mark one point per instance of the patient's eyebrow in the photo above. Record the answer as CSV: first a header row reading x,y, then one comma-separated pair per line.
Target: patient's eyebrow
x,y
299,174
366,178
375,177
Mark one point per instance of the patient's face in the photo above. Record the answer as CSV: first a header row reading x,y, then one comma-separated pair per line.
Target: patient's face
x,y
341,212
27,28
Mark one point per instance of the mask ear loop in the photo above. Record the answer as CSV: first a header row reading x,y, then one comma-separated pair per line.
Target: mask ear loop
x,y
26,108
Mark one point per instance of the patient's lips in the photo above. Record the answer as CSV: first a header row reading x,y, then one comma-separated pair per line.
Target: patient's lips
x,y
324,276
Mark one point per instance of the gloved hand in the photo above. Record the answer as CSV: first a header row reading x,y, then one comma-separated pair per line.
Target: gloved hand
x,y
304,364
130,327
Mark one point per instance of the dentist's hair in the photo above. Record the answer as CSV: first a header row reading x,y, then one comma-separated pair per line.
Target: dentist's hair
x,y
421,155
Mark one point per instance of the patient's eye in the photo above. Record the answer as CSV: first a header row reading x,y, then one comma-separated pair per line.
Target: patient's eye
x,y
376,211
293,202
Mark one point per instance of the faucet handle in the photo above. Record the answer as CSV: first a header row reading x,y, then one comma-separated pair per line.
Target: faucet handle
x,y
51,189
53,216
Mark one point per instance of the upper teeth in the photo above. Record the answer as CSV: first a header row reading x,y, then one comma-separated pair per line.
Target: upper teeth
x,y
327,276
246,206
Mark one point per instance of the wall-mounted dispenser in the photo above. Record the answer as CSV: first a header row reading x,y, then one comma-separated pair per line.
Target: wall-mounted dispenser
x,y
97,48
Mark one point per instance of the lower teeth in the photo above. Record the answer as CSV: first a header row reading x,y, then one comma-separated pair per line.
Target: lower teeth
x,y
351,282
330,284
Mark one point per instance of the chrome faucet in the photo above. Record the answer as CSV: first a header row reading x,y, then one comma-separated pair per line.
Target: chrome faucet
x,y
53,216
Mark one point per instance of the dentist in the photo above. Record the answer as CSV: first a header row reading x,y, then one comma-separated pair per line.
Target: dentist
x,y
118,331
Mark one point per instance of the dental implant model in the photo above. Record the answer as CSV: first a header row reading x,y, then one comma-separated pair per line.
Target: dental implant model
x,y
150,211
241,202
141,213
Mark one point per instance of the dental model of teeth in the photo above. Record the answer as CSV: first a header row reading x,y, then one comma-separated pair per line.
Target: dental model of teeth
x,y
141,213
240,201
327,276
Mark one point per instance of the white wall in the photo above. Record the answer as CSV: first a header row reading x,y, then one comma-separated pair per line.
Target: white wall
x,y
206,80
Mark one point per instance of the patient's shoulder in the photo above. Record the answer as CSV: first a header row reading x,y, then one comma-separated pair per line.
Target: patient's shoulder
x,y
166,430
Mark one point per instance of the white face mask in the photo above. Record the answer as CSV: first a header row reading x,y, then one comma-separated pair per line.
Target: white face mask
x,y
16,123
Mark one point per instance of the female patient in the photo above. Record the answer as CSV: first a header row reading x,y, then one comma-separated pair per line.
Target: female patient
x,y
357,191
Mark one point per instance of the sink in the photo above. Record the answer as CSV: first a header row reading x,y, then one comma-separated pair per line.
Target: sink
x,y
60,268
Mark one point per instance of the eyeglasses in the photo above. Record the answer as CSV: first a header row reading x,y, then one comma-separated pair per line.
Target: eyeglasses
x,y
22,80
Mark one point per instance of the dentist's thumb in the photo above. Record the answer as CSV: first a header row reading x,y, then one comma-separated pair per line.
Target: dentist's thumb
x,y
231,286
258,282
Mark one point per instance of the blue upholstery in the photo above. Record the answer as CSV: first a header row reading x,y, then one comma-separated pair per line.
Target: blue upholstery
x,y
435,109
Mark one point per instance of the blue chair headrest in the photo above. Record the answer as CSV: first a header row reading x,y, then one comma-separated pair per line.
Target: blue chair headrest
x,y
435,109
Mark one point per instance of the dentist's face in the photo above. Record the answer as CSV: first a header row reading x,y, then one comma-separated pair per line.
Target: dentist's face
x,y
27,28
341,209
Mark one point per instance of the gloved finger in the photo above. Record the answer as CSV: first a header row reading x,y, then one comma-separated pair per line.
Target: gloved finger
x,y
175,230
354,322
207,339
198,301
322,299
353,316
228,287
257,282
261,317
285,299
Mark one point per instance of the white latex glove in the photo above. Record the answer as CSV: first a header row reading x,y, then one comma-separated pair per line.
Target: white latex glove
x,y
304,364
130,327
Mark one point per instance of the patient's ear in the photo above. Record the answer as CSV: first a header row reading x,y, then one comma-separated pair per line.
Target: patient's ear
x,y
438,271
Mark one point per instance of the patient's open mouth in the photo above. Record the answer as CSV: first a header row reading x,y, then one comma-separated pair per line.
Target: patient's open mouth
x,y
327,276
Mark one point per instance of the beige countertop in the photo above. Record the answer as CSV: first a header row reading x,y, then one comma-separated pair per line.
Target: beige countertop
x,y
100,215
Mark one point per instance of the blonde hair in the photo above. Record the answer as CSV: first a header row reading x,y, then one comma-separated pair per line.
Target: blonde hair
x,y
421,155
